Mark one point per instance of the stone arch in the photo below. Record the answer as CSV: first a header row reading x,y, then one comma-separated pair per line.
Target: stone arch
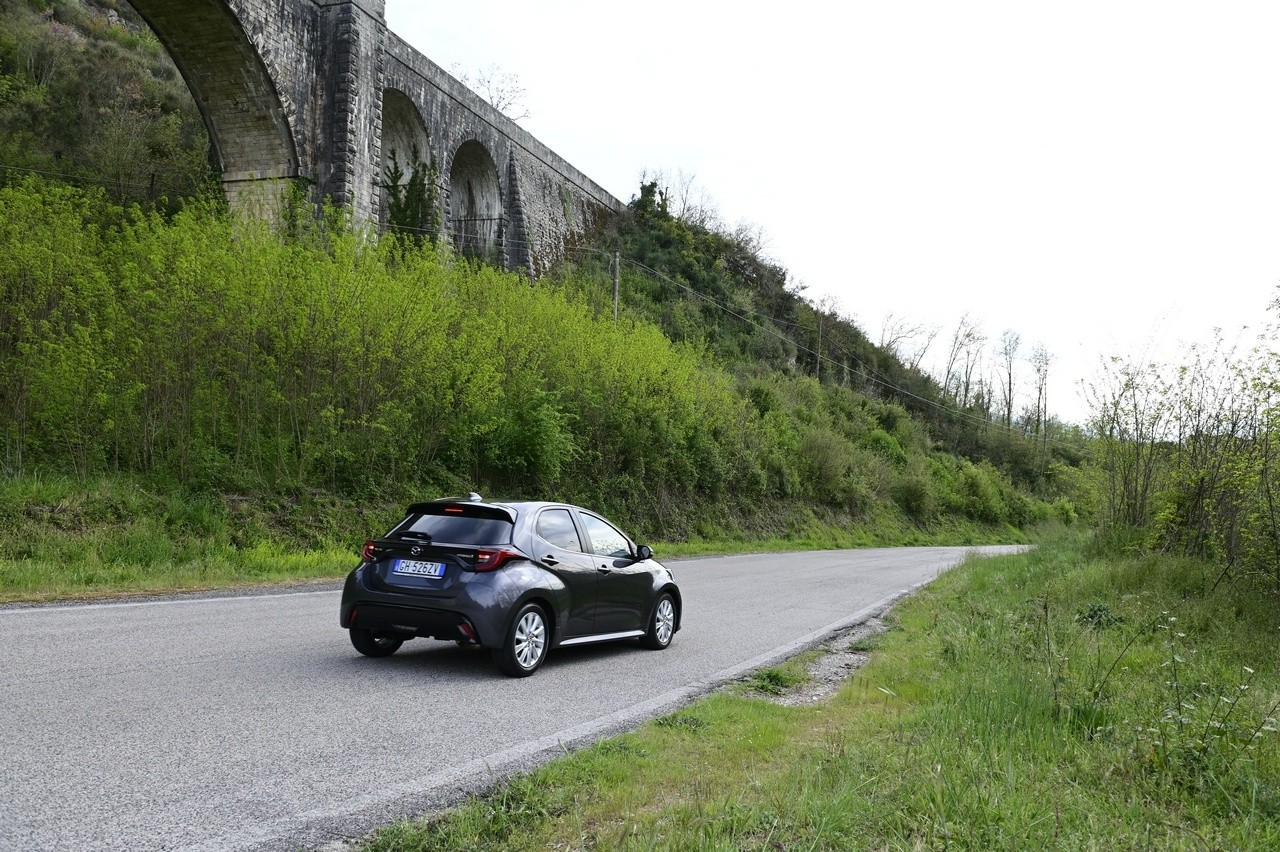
x,y
253,145
403,133
476,218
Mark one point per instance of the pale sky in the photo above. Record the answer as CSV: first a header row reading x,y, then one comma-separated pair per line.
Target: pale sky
x,y
1101,177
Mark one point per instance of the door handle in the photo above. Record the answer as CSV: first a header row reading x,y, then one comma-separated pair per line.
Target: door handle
x,y
550,560
604,569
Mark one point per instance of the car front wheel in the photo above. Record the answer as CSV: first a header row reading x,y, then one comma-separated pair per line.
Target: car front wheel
x,y
374,644
662,624
526,644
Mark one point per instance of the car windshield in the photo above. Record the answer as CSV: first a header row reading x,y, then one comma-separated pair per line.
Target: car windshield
x,y
458,529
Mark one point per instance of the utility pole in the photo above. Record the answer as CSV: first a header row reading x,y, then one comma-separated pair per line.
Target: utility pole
x,y
819,359
617,275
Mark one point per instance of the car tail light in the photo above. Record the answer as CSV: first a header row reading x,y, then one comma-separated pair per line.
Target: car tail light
x,y
369,551
490,560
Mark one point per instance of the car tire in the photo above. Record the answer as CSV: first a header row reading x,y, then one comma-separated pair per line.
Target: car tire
x,y
374,644
662,624
526,644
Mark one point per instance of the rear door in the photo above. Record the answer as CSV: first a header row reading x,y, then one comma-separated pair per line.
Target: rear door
x,y
626,585
558,546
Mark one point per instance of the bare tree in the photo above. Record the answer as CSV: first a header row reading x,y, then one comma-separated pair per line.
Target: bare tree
x,y
1132,412
963,359
930,334
971,390
906,339
685,199
1010,341
751,237
500,88
1040,361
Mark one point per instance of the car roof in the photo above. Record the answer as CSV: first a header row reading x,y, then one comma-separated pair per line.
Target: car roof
x,y
517,507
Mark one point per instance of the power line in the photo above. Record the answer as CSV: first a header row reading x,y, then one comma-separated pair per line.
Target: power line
x,y
108,182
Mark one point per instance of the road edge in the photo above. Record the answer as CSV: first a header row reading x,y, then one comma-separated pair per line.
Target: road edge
x,y
334,830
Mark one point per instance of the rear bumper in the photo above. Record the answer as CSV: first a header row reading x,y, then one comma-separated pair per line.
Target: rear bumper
x,y
408,621
478,603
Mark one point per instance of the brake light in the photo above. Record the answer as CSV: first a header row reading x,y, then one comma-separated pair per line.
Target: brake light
x,y
368,552
453,510
490,560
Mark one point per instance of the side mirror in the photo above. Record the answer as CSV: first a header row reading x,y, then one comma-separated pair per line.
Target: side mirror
x,y
644,552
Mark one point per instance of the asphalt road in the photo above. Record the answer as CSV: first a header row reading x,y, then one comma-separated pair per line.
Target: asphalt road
x,y
249,721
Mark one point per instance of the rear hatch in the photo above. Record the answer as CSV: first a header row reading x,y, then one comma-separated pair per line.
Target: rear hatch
x,y
436,543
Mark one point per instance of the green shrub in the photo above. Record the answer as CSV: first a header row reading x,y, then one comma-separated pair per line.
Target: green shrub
x,y
981,490
914,494
826,463
880,441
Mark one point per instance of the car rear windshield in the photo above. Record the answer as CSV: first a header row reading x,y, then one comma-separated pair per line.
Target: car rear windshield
x,y
459,529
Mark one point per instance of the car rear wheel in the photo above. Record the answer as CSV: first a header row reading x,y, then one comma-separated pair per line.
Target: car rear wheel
x,y
526,644
662,624
374,644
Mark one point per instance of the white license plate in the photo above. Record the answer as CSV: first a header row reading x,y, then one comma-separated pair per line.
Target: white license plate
x,y
418,568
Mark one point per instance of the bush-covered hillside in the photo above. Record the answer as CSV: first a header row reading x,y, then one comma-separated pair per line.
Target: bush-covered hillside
x,y
212,354
88,93
714,288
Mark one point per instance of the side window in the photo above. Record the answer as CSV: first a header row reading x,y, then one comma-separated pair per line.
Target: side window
x,y
556,527
605,540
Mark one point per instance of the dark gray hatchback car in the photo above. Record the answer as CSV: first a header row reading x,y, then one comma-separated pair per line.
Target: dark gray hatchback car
x,y
518,578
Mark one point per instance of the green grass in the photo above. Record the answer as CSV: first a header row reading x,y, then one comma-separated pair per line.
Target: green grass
x,y
775,680
63,537
1058,699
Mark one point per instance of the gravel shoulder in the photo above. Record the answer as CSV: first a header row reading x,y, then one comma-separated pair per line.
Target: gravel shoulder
x,y
839,659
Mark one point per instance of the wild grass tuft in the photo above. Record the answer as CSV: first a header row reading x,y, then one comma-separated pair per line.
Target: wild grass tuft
x,y
775,681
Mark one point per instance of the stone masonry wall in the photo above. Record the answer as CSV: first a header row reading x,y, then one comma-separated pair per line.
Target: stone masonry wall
x,y
293,89
350,128
546,201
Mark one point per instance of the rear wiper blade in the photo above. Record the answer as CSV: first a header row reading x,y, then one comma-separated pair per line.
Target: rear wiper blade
x,y
417,536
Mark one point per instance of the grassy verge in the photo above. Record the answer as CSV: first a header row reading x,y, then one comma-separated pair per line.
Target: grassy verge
x,y
64,538
1056,700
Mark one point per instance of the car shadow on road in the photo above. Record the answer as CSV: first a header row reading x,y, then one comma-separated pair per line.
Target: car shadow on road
x,y
446,660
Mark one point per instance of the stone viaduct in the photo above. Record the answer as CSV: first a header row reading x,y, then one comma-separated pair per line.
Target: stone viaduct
x,y
321,91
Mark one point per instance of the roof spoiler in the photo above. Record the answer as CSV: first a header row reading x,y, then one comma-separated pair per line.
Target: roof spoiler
x,y
472,505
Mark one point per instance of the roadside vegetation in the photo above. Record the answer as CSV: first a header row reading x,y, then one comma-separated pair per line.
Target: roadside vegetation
x,y
190,388
1115,688
1063,699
